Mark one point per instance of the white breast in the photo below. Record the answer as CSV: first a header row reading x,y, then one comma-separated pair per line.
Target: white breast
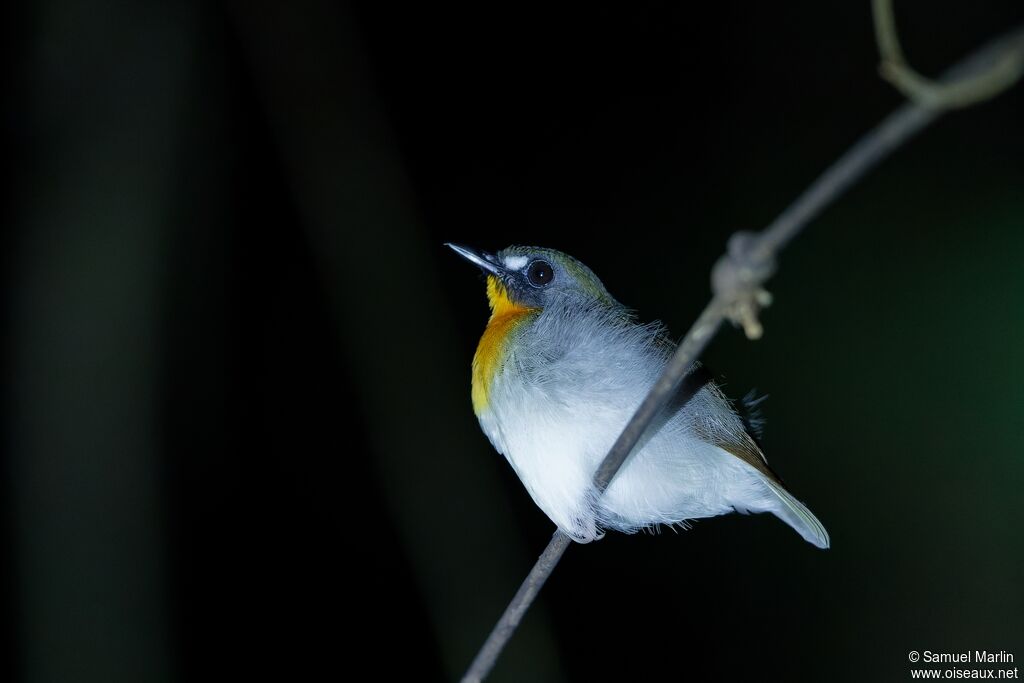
x,y
555,414
553,447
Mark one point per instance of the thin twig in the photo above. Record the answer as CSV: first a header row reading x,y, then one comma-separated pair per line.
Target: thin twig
x,y
737,282
951,93
509,622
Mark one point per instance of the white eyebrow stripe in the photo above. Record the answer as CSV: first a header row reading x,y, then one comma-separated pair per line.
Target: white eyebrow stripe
x,y
515,262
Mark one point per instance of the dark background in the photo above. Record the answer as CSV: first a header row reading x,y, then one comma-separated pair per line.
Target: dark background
x,y
238,439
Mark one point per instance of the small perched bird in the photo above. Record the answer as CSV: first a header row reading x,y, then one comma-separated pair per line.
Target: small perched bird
x,y
559,371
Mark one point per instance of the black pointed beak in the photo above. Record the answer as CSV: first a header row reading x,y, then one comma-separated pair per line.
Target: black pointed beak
x,y
485,261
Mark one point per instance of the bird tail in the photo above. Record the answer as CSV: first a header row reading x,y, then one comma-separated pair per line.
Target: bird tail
x,y
794,513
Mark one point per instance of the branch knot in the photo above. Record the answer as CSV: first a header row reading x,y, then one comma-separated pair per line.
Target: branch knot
x,y
737,281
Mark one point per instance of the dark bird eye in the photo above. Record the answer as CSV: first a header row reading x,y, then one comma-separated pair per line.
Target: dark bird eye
x,y
540,273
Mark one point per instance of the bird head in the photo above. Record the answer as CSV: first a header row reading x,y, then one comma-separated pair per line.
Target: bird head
x,y
536,278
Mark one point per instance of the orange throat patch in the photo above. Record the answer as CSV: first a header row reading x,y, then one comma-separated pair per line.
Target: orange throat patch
x,y
506,316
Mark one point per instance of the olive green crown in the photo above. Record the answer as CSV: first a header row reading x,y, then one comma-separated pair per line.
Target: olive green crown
x,y
584,276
